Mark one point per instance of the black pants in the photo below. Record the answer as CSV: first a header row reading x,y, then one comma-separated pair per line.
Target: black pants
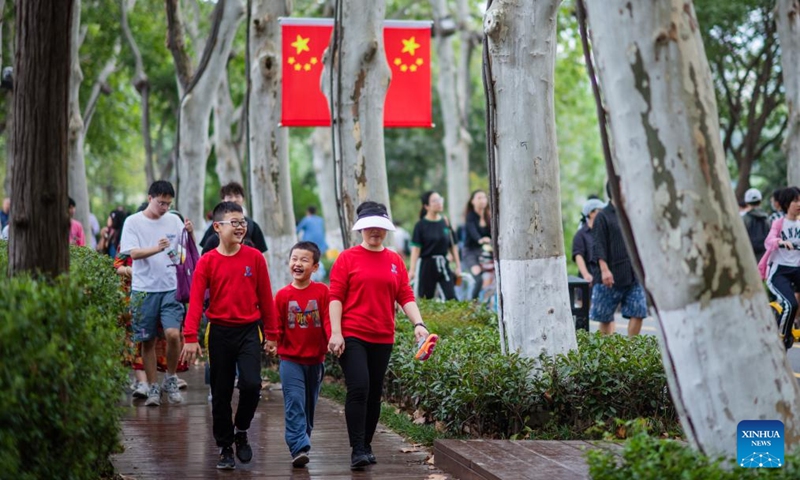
x,y
433,270
364,366
227,348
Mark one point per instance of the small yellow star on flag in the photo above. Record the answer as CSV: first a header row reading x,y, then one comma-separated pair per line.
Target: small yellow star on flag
x,y
410,46
301,44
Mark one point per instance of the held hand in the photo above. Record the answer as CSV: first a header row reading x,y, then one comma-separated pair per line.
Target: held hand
x,y
188,225
271,348
787,244
190,352
608,279
163,244
336,344
420,333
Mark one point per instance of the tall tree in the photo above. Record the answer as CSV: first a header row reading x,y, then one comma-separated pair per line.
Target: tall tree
x,y
39,232
453,76
228,145
519,63
269,143
787,19
197,88
688,240
322,157
361,79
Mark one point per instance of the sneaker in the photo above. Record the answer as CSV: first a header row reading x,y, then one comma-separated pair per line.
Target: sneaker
x,y
140,390
243,451
171,387
153,396
426,346
370,455
300,460
226,461
182,384
358,459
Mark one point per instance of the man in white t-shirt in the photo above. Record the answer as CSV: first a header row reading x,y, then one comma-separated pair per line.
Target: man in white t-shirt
x,y
152,239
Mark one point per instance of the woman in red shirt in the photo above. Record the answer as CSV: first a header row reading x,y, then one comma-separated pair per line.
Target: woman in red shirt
x,y
366,281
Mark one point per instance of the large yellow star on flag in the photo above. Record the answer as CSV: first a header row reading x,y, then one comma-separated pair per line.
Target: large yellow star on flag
x,y
301,44
409,46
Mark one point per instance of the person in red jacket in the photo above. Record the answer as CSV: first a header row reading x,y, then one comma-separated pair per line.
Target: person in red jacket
x,y
303,331
240,300
366,281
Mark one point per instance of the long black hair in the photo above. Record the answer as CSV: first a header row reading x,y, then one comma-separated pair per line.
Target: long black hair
x,y
426,200
470,208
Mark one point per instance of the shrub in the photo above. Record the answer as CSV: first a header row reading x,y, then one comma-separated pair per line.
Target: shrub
x,y
61,372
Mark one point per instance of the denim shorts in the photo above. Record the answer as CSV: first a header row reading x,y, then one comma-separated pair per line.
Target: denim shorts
x,y
605,301
148,308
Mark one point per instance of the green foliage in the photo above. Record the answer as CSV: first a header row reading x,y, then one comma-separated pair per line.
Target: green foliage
x,y
62,372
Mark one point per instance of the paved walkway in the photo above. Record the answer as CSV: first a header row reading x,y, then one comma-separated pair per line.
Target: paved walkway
x,y
175,441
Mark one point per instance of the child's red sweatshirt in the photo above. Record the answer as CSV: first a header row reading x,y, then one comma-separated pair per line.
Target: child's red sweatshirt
x,y
368,284
240,292
304,326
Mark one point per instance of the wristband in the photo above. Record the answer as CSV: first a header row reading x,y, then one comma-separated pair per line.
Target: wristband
x,y
420,324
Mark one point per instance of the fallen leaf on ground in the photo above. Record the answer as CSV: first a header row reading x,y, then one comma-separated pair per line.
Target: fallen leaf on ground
x,y
436,476
409,449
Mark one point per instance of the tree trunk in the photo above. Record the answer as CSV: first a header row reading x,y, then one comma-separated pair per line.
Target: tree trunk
x,y
787,19
78,187
39,232
359,106
229,162
687,235
534,302
194,146
457,139
323,169
269,143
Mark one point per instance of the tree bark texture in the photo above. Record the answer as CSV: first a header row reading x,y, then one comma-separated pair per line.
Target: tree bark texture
x,y
269,143
534,300
358,111
322,155
787,20
194,146
457,139
696,259
39,232
228,150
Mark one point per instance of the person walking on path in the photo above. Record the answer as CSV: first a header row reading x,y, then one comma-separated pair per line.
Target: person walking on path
x,y
233,192
366,281
755,221
76,234
477,229
618,285
152,238
583,242
303,331
431,242
240,302
312,229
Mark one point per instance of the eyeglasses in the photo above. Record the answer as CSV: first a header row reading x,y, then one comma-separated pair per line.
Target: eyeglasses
x,y
164,204
234,223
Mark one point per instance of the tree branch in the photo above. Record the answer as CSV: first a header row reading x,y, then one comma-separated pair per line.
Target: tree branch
x,y
177,44
100,86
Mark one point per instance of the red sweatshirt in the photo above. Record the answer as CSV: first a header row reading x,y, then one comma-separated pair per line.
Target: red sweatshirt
x,y
368,283
304,326
240,292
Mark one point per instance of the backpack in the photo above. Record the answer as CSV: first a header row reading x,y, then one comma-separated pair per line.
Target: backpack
x,y
757,230
186,268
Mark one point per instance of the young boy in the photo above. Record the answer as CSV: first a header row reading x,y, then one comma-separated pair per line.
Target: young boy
x,y
240,295
303,328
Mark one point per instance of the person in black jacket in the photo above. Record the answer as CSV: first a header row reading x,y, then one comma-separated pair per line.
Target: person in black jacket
x,y
756,222
619,285
233,192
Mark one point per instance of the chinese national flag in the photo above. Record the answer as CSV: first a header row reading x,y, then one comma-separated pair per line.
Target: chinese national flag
x,y
408,51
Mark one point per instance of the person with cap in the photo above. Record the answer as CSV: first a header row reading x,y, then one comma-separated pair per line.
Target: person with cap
x,y
365,282
583,243
756,221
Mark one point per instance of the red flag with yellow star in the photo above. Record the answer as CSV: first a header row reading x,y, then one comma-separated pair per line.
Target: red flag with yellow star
x,y
408,51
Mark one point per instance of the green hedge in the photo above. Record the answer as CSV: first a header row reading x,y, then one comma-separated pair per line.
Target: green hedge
x,y
60,374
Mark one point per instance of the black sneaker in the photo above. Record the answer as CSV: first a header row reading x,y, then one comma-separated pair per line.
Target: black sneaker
x,y
226,461
300,460
370,455
358,459
243,450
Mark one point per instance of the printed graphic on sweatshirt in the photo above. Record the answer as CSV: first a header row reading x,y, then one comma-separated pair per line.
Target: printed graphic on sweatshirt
x,y
304,318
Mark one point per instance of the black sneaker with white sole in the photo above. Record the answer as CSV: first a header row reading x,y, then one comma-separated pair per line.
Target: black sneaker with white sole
x,y
226,461
300,460
243,451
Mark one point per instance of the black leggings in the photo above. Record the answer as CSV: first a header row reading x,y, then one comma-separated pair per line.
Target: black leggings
x,y
782,284
433,270
364,366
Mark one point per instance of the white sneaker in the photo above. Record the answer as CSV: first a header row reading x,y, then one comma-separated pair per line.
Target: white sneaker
x,y
173,392
140,390
153,396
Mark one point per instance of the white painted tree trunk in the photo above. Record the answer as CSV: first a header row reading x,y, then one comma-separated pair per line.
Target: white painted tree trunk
x,y
196,107
358,113
227,149
269,143
322,156
720,347
457,139
78,187
787,20
535,308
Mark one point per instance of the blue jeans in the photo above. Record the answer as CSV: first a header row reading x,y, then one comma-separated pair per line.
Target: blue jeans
x,y
301,384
